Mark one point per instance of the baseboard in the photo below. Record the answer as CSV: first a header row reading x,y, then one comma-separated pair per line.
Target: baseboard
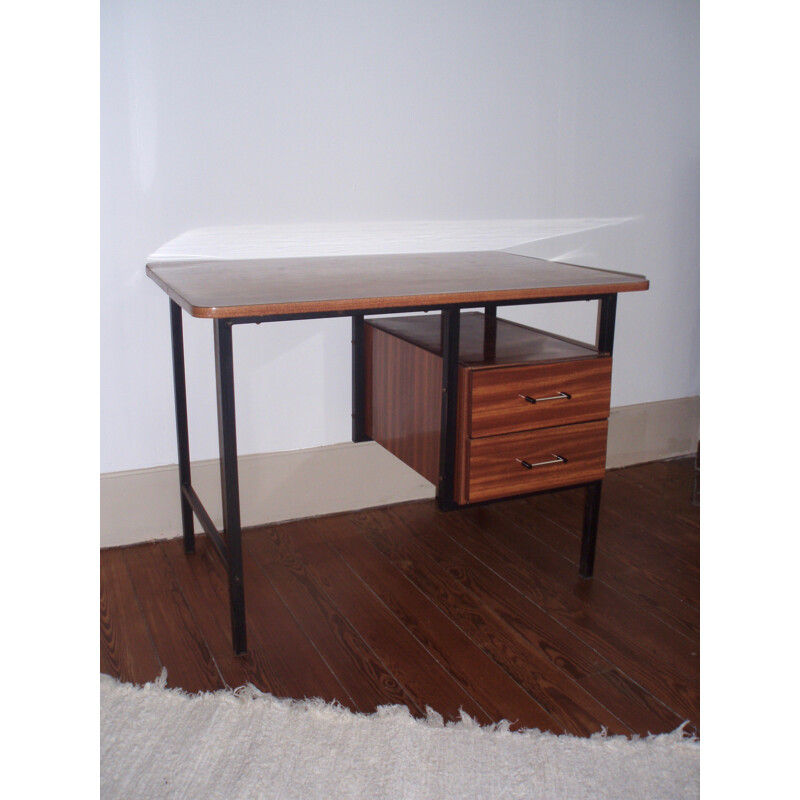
x,y
141,505
653,431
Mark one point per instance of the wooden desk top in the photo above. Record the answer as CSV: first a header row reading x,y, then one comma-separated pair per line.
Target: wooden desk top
x,y
262,287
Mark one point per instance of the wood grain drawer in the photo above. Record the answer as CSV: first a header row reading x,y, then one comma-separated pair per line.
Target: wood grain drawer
x,y
495,469
498,396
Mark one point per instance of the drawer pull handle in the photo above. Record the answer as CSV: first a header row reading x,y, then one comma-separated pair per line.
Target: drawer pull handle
x,y
556,460
559,396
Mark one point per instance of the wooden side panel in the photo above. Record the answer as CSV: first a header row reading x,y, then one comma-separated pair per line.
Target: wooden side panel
x,y
403,405
498,408
461,490
495,471
403,400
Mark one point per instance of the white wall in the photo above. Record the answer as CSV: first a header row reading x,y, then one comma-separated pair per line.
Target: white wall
x,y
252,112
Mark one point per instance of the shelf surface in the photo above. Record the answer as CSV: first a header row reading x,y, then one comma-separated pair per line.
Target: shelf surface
x,y
264,287
509,344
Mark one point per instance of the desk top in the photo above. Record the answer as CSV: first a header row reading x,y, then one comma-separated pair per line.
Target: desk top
x,y
277,286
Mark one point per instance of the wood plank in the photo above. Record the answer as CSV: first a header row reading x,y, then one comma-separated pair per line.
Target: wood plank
x,y
668,486
501,696
659,476
493,583
642,712
247,288
643,537
177,638
365,678
653,509
658,658
295,662
531,649
666,593
126,648
422,677
635,527
489,595
204,584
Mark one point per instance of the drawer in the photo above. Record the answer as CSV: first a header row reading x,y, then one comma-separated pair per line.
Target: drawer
x,y
496,469
564,392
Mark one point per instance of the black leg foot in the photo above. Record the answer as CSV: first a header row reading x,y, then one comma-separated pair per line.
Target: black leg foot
x,y
591,515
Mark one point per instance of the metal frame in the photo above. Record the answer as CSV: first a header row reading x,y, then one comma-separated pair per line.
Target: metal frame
x,y
181,423
591,514
229,474
451,331
228,543
359,392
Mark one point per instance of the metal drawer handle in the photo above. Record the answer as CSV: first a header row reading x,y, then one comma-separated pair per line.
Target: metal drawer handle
x,y
556,460
559,396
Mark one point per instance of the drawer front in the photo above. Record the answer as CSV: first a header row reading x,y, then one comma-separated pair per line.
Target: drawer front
x,y
503,466
511,399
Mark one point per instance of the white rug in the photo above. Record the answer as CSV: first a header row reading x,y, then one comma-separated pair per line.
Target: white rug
x,y
163,743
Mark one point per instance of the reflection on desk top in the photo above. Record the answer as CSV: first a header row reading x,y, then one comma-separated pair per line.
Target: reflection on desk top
x,y
263,287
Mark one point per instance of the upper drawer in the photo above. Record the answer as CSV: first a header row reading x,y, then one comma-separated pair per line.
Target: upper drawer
x,y
510,399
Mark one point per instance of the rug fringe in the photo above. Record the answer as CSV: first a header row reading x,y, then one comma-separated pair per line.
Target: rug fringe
x,y
248,693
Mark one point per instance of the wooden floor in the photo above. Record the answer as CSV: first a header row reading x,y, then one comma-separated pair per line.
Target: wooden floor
x,y
479,609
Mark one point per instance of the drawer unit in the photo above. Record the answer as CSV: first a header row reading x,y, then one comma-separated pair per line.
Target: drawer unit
x,y
526,397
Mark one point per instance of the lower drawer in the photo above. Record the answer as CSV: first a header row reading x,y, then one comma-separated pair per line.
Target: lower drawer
x,y
517,463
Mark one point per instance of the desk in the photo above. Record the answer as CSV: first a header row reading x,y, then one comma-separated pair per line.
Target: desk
x,y
269,290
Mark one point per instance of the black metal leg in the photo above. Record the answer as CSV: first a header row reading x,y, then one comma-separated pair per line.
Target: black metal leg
x,y
181,423
606,319
229,469
605,323
447,442
359,392
591,515
490,332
